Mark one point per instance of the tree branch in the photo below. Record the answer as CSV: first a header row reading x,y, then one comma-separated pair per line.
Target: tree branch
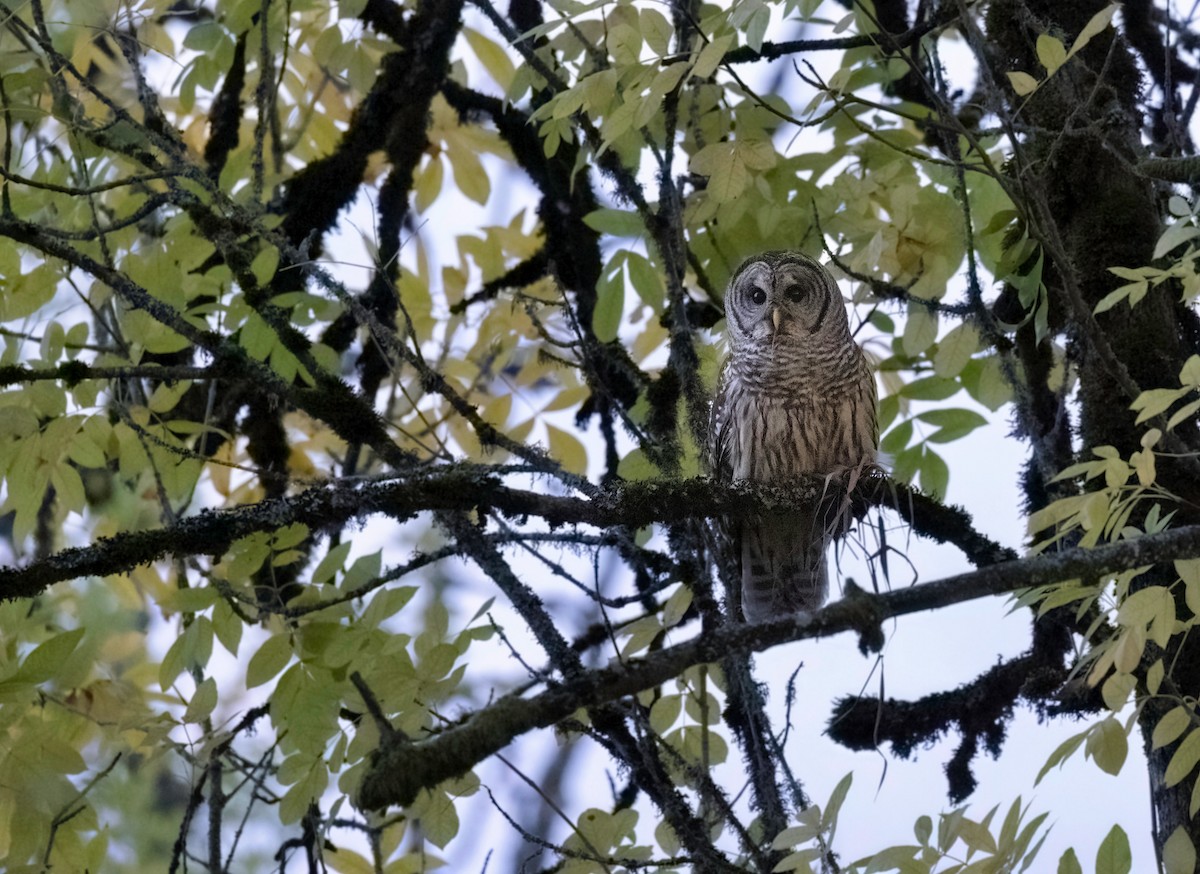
x,y
467,487
400,770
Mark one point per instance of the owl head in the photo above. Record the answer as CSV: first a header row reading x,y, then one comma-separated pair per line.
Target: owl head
x,y
783,297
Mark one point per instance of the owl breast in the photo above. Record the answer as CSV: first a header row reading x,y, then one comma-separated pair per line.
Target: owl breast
x,y
788,418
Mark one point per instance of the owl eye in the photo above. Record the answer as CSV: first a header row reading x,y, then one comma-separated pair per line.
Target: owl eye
x,y
758,296
795,294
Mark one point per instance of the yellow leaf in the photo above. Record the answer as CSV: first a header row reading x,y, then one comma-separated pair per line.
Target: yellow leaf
x,y
493,57
428,184
1022,83
566,449
1116,689
1128,653
1190,374
1051,52
710,56
676,606
656,30
1098,22
1173,724
1108,745
346,861
1154,676
1184,759
469,173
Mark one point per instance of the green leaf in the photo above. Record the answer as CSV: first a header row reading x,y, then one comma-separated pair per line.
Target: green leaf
x,y
935,474
269,660
920,330
618,222
48,657
297,800
952,423
1174,236
1144,605
636,466
205,36
1182,414
1069,863
834,805
191,649
1179,853
1116,690
664,712
610,306
1155,676
728,165
976,836
189,600
896,439
1114,857
646,280
656,30
265,264
898,858
677,605
955,350
907,462
203,702
1113,298
987,384
333,562
711,55
923,829
469,173
930,388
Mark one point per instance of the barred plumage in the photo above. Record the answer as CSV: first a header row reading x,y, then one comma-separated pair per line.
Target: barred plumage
x,y
796,397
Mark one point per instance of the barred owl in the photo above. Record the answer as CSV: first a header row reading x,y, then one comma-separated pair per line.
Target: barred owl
x,y
796,397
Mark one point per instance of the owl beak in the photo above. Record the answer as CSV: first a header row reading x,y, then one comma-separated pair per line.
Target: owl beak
x,y
775,317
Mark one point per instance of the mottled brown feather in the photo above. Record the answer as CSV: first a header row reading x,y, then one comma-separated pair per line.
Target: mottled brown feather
x,y
796,397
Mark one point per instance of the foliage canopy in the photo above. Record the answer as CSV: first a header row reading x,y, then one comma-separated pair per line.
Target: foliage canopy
x,y
356,356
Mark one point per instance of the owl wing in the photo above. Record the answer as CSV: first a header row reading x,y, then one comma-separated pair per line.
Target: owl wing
x,y
725,532
718,451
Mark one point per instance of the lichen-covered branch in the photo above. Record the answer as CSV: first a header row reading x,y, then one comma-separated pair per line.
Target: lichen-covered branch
x,y
402,769
466,487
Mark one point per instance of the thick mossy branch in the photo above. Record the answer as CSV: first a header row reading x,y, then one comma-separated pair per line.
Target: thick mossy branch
x,y
476,488
391,116
979,711
400,770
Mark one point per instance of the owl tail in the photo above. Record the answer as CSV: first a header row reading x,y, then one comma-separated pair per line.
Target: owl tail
x,y
783,568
